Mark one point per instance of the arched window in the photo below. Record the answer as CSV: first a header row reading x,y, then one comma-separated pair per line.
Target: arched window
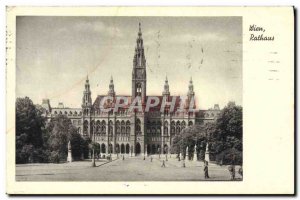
x,y
85,127
118,127
173,128
103,149
111,129
158,130
122,148
166,128
123,128
103,127
92,128
98,127
183,125
138,89
138,126
178,127
55,113
128,128
153,131
190,123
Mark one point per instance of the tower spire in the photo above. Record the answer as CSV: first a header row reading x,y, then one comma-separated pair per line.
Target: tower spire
x,y
191,92
140,29
111,91
166,91
86,99
139,77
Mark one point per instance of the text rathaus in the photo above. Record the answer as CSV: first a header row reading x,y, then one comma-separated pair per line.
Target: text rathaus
x,y
133,131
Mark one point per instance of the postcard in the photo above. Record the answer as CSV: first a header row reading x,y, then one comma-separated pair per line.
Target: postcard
x,y
150,100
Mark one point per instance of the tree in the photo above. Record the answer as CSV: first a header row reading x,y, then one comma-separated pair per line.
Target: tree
x,y
78,145
29,132
189,137
226,134
230,121
61,132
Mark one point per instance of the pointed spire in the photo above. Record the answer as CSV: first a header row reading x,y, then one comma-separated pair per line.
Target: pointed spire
x,y
139,56
111,91
166,87
140,29
87,100
191,88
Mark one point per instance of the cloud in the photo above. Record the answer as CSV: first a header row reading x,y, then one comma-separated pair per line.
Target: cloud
x,y
93,27
203,37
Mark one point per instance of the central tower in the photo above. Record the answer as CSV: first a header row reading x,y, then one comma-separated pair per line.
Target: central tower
x,y
139,78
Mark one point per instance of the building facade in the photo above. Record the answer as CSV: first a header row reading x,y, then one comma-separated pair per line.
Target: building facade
x,y
130,131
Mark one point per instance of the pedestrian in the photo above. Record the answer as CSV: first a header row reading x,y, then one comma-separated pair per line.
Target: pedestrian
x,y
241,171
206,170
231,169
151,158
123,158
163,164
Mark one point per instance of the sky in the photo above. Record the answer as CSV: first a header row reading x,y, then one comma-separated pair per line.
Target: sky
x,y
56,54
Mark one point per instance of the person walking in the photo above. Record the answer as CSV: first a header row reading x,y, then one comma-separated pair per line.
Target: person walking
x,y
151,158
163,164
231,169
241,171
206,170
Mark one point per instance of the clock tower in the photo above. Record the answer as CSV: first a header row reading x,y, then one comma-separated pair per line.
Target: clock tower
x,y
139,78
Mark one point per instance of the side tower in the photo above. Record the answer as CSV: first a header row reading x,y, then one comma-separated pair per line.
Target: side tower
x,y
190,104
86,109
139,78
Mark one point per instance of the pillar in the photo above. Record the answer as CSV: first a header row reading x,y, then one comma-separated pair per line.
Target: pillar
x,y
132,135
107,136
162,128
114,136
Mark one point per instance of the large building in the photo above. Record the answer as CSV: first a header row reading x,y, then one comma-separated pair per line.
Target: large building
x,y
133,131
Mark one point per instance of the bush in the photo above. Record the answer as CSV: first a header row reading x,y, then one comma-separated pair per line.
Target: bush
x,y
230,156
54,157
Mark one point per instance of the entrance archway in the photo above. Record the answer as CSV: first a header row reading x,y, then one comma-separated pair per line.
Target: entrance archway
x,y
103,150
122,148
153,149
148,149
117,149
127,148
137,148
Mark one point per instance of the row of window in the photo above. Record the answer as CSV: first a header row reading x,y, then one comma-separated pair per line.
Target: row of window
x,y
70,113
